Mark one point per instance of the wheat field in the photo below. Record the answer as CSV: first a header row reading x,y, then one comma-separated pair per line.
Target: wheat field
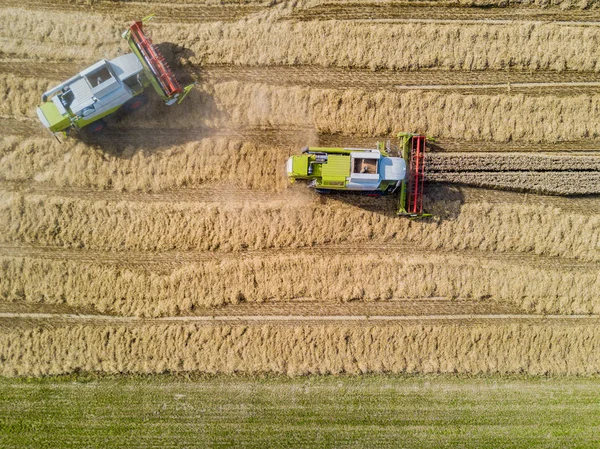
x,y
185,213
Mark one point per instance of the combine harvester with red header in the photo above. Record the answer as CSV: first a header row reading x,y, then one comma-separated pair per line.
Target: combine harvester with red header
x,y
367,171
107,86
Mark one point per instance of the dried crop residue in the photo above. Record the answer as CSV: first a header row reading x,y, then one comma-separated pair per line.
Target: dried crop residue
x,y
454,116
294,350
193,164
450,46
165,226
160,286
186,210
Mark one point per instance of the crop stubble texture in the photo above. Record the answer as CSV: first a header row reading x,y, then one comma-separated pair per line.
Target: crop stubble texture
x,y
270,38
296,349
181,289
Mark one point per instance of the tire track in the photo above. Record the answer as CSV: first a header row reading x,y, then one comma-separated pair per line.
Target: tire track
x,y
301,306
306,319
207,194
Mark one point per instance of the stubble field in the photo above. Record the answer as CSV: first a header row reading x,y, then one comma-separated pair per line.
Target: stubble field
x,y
173,242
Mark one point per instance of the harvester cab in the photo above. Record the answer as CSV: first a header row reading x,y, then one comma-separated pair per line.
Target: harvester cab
x,y
365,170
106,86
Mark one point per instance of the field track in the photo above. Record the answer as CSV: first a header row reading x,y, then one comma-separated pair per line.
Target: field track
x,y
302,319
177,224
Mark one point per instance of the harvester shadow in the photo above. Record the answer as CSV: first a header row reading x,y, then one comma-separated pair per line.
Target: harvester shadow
x,y
443,201
155,126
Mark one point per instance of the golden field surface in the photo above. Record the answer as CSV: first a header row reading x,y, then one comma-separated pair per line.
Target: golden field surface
x,y
173,241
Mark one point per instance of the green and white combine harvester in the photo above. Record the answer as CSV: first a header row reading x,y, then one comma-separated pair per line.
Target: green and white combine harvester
x,y
369,171
107,86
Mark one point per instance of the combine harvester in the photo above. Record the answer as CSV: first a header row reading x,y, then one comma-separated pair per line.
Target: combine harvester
x,y
107,86
367,171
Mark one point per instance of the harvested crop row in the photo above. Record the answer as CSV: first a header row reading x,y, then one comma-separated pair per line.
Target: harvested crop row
x,y
503,4
164,226
180,288
550,183
457,162
387,10
479,348
500,118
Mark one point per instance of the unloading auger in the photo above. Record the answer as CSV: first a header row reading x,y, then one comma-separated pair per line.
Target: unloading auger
x,y
367,171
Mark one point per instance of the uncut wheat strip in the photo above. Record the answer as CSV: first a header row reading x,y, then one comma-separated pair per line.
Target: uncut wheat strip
x,y
265,39
62,35
296,350
180,288
361,112
172,12
332,77
166,226
473,46
499,118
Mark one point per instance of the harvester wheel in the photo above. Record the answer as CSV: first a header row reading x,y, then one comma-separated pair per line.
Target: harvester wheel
x,y
136,103
96,127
